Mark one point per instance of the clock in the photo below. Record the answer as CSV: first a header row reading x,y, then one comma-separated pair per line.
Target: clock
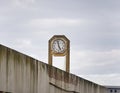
x,y
58,46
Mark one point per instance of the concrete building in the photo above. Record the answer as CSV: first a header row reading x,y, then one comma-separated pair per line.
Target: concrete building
x,y
20,73
113,89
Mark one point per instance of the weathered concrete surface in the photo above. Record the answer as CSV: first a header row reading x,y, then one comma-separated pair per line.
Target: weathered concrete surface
x,y
20,73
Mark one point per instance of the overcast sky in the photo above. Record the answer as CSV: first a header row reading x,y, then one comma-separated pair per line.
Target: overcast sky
x,y
92,26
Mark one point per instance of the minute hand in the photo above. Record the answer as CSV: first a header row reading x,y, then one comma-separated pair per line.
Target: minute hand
x,y
58,45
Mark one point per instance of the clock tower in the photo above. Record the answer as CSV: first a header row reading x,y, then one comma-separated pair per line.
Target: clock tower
x,y
59,45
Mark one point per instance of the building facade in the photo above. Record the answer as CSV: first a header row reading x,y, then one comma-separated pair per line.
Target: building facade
x,y
113,89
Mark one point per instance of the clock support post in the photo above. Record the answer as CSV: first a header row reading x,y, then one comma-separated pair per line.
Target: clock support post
x,y
49,55
68,59
61,48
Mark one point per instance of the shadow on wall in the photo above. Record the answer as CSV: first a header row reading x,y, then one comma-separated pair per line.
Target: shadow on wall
x,y
4,92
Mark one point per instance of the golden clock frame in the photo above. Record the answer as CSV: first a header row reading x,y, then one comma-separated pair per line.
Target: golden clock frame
x,y
66,53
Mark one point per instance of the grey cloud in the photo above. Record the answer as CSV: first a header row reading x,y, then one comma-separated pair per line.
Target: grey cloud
x,y
100,62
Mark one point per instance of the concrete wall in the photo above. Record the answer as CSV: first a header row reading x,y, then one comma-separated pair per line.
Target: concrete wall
x,y
20,73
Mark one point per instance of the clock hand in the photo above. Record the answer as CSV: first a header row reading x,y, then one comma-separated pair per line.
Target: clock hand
x,y
58,45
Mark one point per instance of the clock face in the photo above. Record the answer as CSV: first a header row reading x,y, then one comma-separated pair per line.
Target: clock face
x,y
58,46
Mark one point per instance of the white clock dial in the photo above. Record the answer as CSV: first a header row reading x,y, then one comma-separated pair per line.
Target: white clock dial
x,y
58,46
